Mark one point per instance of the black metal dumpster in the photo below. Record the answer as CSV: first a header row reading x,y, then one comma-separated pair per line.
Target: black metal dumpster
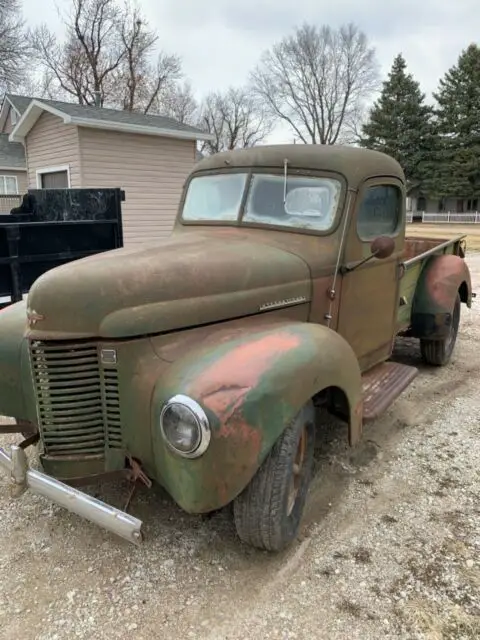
x,y
52,227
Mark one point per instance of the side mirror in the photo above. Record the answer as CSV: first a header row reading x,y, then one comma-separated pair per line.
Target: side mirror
x,y
382,247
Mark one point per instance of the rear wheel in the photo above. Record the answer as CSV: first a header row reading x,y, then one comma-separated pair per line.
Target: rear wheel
x,y
268,512
439,352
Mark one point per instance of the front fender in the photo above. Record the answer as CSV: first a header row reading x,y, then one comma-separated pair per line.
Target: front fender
x,y
441,279
16,389
251,384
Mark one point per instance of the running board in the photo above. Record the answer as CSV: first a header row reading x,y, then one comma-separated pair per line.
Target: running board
x,y
382,385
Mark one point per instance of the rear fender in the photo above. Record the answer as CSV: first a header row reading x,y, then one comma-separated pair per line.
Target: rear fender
x,y
441,279
251,383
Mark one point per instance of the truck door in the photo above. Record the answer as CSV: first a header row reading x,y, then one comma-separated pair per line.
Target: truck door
x,y
369,294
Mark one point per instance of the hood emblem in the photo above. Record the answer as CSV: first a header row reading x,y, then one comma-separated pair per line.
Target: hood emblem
x,y
286,302
33,317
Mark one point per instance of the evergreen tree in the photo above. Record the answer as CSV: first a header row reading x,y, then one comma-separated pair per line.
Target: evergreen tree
x,y
400,124
457,170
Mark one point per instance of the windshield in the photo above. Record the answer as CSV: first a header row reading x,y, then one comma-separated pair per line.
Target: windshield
x,y
306,203
215,198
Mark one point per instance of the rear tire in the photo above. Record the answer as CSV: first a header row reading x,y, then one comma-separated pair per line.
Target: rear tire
x,y
268,512
439,352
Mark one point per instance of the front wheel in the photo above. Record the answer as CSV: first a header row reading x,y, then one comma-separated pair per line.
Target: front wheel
x,y
439,352
268,512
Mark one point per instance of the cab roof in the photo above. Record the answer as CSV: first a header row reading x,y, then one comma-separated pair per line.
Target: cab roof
x,y
354,163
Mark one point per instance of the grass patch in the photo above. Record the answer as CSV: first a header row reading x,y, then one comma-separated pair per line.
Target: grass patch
x,y
472,231
435,623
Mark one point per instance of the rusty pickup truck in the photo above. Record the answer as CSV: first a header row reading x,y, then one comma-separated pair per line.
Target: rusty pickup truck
x,y
197,362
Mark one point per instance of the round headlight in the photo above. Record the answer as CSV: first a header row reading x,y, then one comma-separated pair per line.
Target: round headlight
x,y
184,426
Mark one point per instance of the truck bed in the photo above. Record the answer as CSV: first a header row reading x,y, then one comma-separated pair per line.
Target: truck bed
x,y
416,248
416,253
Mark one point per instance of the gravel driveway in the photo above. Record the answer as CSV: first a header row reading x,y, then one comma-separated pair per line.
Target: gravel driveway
x,y
390,546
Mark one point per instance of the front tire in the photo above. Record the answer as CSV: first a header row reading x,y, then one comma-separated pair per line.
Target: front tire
x,y
268,512
439,352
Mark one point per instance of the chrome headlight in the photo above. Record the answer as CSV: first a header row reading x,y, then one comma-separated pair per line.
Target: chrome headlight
x,y
185,427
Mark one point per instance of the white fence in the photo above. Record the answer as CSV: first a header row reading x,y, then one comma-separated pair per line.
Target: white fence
x,y
455,218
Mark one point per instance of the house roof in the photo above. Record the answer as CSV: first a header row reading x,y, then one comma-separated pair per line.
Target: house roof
x,y
30,110
12,154
19,103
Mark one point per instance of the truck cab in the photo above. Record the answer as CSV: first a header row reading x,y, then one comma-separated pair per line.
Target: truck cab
x,y
198,361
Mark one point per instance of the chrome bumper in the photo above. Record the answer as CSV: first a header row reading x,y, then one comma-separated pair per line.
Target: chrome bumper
x,y
22,478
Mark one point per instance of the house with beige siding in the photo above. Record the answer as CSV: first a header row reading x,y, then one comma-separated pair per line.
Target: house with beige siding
x,y
71,145
13,167
13,164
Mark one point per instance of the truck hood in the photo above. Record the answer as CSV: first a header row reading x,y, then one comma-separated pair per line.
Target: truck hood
x,y
183,281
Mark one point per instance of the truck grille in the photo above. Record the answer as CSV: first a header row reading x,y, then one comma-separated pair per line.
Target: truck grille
x,y
77,399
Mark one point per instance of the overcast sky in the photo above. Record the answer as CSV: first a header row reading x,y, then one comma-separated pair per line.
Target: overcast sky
x,y
221,40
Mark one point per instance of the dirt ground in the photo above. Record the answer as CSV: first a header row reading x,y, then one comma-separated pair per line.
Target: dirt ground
x,y
389,547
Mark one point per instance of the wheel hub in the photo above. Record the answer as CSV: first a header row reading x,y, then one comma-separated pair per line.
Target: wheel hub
x,y
297,471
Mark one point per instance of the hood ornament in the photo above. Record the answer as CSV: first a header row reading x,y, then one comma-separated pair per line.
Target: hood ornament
x,y
33,317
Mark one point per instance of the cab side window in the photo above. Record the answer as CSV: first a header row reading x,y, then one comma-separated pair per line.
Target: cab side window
x,y
379,212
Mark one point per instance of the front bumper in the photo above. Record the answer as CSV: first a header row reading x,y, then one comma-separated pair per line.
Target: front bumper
x,y
96,511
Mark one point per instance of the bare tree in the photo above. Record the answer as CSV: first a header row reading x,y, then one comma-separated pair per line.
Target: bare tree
x,y
235,119
14,47
179,103
66,68
80,66
107,57
142,84
317,80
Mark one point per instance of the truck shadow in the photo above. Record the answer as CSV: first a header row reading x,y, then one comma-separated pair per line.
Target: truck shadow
x,y
407,351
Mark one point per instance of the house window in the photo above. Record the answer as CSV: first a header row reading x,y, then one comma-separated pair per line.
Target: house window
x,y
379,212
53,178
8,185
13,117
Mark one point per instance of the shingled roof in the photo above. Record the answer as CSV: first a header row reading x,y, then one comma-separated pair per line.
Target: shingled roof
x,y
20,103
29,110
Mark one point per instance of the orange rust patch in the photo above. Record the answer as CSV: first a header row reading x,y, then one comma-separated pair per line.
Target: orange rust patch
x,y
444,278
226,400
244,365
240,430
225,383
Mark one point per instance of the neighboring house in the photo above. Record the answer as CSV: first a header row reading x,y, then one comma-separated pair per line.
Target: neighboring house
x,y
71,145
13,167
417,202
